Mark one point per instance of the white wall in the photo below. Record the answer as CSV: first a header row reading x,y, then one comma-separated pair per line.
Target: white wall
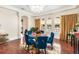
x,y
31,22
8,21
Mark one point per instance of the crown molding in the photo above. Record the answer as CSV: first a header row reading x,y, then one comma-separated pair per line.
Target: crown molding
x,y
58,10
15,9
43,13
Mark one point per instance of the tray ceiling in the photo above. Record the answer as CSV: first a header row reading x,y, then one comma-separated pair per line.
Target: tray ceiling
x,y
45,8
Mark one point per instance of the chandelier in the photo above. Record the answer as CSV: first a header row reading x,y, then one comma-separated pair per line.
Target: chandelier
x,y
36,8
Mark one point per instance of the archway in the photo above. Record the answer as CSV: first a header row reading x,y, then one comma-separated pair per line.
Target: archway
x,y
24,22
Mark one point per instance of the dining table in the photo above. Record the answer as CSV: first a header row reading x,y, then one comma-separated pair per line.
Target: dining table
x,y
33,36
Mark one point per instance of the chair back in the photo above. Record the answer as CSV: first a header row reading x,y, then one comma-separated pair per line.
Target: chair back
x,y
52,37
29,32
42,42
25,32
26,39
29,40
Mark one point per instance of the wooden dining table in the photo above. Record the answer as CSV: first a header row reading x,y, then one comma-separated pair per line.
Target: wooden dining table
x,y
37,35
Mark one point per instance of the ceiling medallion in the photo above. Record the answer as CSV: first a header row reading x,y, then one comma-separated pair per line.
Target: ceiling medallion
x,y
37,8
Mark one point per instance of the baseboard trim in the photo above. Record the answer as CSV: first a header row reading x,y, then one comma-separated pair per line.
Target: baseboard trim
x,y
14,38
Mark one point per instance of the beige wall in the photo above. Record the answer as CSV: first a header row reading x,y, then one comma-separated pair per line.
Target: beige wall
x,y
10,22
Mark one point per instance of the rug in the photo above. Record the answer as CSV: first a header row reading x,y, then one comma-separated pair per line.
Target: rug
x,y
56,49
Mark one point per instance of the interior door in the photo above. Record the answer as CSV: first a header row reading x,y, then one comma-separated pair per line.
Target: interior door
x,y
37,23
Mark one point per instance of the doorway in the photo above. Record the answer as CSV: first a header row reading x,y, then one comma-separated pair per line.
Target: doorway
x,y
24,22
37,23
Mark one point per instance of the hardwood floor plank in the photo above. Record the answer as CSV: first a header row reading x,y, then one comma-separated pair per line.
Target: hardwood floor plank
x,y
13,47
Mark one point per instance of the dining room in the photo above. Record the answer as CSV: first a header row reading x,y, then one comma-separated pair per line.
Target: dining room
x,y
42,29
38,29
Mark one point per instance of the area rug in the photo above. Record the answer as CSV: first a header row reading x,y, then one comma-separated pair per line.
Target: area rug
x,y
56,49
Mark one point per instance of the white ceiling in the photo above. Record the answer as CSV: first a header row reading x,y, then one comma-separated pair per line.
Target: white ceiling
x,y
47,8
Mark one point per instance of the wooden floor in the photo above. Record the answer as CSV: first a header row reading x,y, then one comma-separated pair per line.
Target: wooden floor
x,y
66,48
13,47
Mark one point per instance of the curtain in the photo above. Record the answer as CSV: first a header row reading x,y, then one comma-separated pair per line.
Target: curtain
x,y
67,23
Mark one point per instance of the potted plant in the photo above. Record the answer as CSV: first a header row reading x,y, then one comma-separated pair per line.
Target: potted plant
x,y
33,29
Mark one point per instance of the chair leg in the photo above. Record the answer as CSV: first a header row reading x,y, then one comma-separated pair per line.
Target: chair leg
x,y
51,46
71,41
45,51
67,39
25,47
28,48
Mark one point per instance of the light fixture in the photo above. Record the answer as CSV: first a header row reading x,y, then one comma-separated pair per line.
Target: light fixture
x,y
36,8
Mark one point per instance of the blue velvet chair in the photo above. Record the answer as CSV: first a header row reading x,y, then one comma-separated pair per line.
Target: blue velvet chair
x,y
29,41
50,39
25,32
41,43
29,32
